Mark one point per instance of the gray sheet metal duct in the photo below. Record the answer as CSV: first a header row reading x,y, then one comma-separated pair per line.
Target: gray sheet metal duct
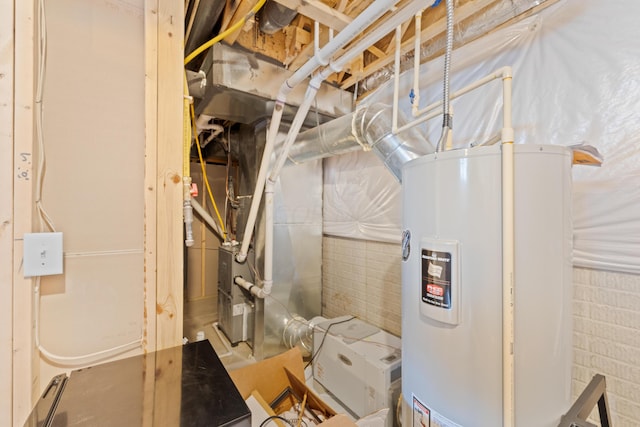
x,y
369,127
206,16
274,17
241,87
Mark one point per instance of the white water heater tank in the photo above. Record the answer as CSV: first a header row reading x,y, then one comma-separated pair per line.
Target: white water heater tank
x,y
452,287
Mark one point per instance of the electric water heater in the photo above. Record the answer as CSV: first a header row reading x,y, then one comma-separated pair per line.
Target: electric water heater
x,y
452,287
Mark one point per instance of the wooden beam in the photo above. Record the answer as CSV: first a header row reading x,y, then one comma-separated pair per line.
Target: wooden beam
x,y
462,12
392,42
242,10
26,382
318,11
170,77
6,211
377,52
150,176
230,9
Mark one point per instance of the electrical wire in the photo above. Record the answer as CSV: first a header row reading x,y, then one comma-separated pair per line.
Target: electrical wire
x,y
74,360
221,36
204,173
324,336
275,417
44,218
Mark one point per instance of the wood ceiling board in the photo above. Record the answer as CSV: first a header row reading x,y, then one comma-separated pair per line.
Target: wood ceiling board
x,y
242,10
462,12
318,11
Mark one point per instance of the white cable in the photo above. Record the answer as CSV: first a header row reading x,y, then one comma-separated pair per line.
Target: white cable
x,y
75,360
44,218
42,52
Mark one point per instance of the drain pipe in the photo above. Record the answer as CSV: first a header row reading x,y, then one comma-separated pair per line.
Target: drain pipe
x,y
207,218
415,99
355,28
508,257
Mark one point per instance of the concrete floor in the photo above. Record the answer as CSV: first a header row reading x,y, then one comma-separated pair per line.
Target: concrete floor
x,y
201,315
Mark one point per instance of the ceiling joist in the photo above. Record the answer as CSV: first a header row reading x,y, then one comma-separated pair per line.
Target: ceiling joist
x,y
318,11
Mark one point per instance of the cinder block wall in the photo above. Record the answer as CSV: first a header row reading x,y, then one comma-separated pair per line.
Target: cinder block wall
x,y
606,339
363,278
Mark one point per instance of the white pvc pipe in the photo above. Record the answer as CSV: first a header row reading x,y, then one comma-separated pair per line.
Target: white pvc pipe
x,y
245,284
335,66
355,28
207,218
416,66
431,108
508,260
348,33
268,237
396,80
294,130
316,37
262,176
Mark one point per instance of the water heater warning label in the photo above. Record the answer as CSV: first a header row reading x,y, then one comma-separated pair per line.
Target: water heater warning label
x,y
436,278
423,416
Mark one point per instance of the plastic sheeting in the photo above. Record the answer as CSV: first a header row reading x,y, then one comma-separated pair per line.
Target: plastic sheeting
x,y
576,68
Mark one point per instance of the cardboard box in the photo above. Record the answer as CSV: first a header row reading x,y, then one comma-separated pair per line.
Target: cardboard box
x,y
272,376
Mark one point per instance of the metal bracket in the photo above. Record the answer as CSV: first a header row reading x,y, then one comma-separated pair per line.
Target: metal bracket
x,y
594,393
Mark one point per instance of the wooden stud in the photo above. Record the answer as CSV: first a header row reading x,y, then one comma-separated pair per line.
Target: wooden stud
x,y
170,76
150,173
6,212
26,383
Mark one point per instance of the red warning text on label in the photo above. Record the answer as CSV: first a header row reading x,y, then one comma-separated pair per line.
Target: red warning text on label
x,y
435,290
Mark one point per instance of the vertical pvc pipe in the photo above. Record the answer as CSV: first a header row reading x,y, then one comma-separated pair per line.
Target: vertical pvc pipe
x,y
416,66
508,260
316,37
362,21
396,80
262,176
267,282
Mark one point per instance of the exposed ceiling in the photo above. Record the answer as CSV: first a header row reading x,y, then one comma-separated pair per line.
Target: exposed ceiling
x,y
284,30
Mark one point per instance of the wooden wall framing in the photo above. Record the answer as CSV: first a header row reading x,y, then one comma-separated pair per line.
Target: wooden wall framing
x,y
6,210
19,361
164,40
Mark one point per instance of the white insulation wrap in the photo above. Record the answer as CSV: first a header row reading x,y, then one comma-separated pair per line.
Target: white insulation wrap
x,y
576,78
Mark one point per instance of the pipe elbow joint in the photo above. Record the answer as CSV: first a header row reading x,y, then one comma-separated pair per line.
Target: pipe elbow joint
x,y
507,72
241,257
266,287
269,185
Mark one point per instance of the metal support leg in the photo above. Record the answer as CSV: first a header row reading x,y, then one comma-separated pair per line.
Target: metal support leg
x,y
594,393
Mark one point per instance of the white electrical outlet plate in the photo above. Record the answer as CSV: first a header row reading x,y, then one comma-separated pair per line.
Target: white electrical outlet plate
x,y
42,254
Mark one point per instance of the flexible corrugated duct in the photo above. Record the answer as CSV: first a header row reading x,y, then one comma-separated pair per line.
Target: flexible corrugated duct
x,y
367,128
